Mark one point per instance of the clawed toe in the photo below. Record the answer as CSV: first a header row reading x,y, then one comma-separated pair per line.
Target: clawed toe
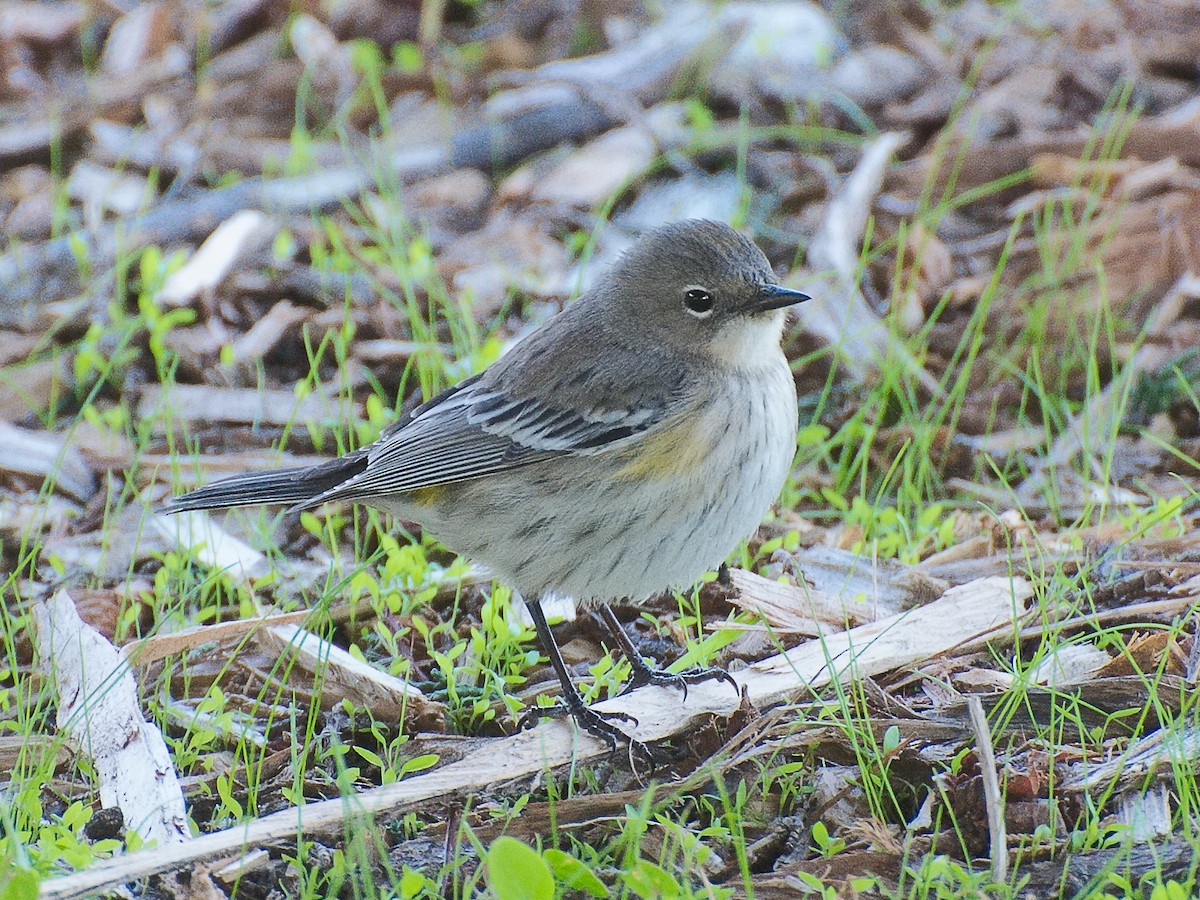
x,y
587,718
595,723
644,674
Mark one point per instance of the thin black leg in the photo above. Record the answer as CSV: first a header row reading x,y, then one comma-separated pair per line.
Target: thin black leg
x,y
587,719
642,673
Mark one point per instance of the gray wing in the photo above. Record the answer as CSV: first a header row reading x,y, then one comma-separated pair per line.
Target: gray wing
x,y
580,384
478,428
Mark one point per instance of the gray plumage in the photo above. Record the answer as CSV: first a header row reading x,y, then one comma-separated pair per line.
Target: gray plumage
x,y
622,448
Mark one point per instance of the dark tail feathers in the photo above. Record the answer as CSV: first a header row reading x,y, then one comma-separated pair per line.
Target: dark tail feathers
x,y
291,486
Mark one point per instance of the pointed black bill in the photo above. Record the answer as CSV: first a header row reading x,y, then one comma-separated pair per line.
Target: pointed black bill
x,y
773,296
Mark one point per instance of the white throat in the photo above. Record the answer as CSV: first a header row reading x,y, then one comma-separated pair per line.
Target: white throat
x,y
749,342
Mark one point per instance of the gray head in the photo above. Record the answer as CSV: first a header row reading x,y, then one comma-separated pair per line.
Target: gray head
x,y
702,285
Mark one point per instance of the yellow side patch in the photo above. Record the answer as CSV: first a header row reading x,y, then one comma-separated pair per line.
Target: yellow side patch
x,y
427,496
677,450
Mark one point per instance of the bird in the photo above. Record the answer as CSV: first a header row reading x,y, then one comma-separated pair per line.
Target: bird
x,y
621,449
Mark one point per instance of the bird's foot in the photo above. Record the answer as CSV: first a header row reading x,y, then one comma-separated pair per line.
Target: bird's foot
x,y
593,722
646,674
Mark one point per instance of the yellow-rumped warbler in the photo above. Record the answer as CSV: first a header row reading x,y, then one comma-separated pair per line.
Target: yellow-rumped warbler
x,y
621,449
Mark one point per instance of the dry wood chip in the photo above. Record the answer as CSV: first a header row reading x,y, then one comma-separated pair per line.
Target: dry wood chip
x,y
105,448
244,232
1148,180
991,790
881,645
1147,815
30,514
1155,753
198,533
1189,588
802,610
878,74
344,676
1070,664
17,750
1149,611
323,57
229,872
98,708
883,586
1061,170
41,23
32,217
147,650
43,455
461,192
972,549
139,35
268,331
15,348
1005,442
205,404
981,681
116,144
1143,655
102,190
588,176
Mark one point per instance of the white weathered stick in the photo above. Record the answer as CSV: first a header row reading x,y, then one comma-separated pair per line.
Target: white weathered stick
x,y
386,696
146,650
987,606
801,609
237,406
199,534
98,708
242,232
992,798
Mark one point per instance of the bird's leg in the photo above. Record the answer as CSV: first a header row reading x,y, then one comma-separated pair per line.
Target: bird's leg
x,y
572,702
644,673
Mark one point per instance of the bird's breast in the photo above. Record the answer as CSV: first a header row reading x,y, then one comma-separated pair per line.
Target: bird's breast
x,y
679,448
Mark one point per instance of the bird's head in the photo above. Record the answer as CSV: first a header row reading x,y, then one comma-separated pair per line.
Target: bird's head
x,y
703,286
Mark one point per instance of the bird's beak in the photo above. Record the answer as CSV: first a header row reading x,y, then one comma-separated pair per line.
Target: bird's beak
x,y
772,296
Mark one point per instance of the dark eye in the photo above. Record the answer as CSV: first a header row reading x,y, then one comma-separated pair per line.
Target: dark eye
x,y
698,301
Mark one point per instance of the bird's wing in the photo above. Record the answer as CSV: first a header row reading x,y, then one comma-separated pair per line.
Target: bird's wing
x,y
480,427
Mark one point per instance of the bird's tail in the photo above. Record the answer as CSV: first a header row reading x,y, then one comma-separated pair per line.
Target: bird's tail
x,y
292,486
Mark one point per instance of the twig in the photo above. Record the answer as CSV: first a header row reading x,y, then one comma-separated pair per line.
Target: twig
x,y
838,312
991,789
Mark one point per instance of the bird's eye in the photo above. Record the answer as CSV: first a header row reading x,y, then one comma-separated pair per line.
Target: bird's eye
x,y
699,302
